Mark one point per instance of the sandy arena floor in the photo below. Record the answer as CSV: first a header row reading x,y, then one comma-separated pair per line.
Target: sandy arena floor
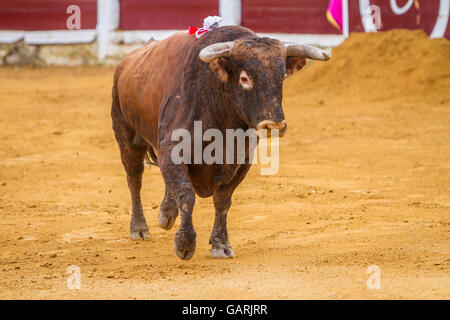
x,y
361,182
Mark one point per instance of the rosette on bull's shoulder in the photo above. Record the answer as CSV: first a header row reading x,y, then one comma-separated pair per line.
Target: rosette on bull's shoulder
x,y
209,23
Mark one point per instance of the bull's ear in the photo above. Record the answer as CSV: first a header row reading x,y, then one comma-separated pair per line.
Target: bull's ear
x,y
294,64
217,55
296,54
221,67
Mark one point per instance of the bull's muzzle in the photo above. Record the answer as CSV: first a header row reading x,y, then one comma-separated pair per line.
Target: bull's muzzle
x,y
269,125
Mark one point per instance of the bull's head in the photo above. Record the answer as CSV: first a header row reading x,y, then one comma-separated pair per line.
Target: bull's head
x,y
255,69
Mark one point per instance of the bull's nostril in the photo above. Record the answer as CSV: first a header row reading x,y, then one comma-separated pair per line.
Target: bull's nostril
x,y
277,125
272,125
269,124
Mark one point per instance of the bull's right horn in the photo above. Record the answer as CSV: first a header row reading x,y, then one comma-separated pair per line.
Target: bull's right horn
x,y
214,51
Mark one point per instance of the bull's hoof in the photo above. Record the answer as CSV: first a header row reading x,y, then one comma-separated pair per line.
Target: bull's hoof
x,y
142,234
139,231
168,213
222,252
185,245
166,221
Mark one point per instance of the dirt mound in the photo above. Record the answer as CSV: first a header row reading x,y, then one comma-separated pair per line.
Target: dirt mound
x,y
390,64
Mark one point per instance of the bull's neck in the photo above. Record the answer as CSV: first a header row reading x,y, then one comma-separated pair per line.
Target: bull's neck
x,y
213,105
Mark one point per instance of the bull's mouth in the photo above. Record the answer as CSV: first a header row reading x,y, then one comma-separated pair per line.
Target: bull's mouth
x,y
270,125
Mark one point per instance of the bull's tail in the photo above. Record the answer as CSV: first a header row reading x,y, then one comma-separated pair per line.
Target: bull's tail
x,y
150,157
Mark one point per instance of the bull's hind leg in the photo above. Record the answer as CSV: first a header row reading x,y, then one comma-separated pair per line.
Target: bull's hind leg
x,y
132,151
133,162
168,211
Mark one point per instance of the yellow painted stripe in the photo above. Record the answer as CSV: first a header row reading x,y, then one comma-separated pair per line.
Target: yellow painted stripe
x,y
332,21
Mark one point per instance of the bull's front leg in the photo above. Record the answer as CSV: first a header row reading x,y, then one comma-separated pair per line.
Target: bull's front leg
x,y
185,235
221,248
168,211
181,190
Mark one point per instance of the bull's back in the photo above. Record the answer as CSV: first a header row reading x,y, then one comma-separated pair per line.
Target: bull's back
x,y
147,77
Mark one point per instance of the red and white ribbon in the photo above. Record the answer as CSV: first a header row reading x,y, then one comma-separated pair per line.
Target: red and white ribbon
x,y
209,23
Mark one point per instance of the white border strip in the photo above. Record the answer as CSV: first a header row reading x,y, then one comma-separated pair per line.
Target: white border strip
x,y
10,36
131,37
321,40
48,37
60,36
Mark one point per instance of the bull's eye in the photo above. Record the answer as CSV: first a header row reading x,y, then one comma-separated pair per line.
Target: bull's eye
x,y
245,81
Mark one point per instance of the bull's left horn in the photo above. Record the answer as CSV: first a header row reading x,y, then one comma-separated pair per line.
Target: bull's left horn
x,y
214,51
304,51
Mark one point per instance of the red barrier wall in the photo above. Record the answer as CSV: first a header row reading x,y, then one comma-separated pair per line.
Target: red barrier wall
x,y
280,16
422,14
287,16
44,14
165,14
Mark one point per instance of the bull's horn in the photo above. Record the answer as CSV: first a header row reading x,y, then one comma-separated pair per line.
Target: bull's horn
x,y
304,51
216,50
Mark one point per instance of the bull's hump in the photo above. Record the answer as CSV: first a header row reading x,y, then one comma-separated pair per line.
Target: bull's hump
x,y
227,33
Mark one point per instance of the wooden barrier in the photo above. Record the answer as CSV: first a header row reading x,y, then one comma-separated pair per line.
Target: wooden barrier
x,y
165,14
44,14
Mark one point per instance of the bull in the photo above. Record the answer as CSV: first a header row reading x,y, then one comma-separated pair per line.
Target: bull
x,y
229,79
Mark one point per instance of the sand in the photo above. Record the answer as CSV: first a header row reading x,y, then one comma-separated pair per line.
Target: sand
x,y
364,180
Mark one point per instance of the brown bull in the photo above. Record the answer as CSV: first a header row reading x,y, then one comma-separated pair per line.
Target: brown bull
x,y
229,79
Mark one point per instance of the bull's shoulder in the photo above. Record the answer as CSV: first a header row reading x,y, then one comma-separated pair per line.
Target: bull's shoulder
x,y
158,55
